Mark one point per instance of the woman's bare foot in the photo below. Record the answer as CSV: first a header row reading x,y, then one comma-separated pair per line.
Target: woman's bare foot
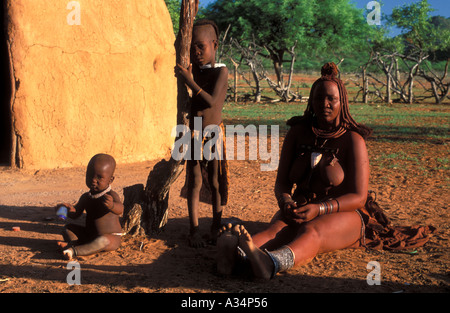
x,y
227,242
260,261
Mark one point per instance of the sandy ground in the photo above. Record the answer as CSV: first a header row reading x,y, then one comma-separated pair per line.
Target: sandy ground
x,y
29,261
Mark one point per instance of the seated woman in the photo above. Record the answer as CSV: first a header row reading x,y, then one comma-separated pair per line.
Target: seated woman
x,y
321,188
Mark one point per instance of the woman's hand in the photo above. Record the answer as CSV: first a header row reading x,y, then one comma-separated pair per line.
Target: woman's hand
x,y
306,213
288,208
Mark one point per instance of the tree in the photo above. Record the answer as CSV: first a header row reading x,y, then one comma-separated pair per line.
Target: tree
x,y
275,25
146,209
442,25
174,7
325,27
420,37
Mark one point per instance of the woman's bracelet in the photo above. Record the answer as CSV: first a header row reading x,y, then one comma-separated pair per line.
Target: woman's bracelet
x,y
321,208
327,207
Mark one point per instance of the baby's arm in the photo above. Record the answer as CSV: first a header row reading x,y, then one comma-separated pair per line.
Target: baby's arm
x,y
74,211
112,202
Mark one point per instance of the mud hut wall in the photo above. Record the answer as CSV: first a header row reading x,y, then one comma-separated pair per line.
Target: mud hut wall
x,y
99,81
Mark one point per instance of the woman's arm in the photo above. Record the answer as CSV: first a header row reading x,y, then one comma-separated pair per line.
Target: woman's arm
x,y
356,182
283,185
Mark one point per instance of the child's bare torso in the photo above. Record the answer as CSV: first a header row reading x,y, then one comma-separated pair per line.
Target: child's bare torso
x,y
100,220
206,79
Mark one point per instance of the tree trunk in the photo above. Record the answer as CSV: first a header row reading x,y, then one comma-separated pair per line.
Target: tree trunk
x,y
410,90
365,86
388,88
277,59
291,72
235,65
146,209
257,85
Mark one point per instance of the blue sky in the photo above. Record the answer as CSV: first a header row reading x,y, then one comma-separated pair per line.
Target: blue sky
x,y
442,7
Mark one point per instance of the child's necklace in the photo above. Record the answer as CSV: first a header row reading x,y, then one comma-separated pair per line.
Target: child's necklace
x,y
206,66
101,194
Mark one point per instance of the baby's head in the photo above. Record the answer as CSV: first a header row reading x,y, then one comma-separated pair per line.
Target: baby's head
x,y
205,41
100,172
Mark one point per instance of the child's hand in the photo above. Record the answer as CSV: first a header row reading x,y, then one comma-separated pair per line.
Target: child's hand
x,y
183,72
108,201
70,207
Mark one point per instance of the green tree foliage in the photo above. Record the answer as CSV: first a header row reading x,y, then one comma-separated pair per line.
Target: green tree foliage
x,y
419,32
442,25
273,24
174,7
174,10
323,29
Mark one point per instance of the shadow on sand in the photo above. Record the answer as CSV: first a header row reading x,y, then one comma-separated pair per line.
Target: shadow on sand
x,y
177,267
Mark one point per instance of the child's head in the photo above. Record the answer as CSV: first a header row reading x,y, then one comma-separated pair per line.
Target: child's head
x,y
100,172
205,41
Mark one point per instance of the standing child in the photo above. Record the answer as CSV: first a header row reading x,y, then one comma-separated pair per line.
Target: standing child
x,y
103,207
208,82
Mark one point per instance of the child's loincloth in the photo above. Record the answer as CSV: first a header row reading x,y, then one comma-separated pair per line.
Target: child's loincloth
x,y
223,175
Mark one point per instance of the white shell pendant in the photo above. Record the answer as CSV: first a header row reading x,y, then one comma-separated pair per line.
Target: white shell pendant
x,y
315,159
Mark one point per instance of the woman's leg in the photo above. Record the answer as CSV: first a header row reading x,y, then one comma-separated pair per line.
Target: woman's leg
x,y
278,233
323,234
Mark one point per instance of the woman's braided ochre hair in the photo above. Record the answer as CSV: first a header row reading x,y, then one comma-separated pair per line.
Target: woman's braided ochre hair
x,y
330,72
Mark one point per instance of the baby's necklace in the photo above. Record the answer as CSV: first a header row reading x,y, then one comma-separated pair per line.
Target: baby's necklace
x,y
101,194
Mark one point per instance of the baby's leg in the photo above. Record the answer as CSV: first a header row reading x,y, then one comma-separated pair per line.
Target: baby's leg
x,y
99,244
72,234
